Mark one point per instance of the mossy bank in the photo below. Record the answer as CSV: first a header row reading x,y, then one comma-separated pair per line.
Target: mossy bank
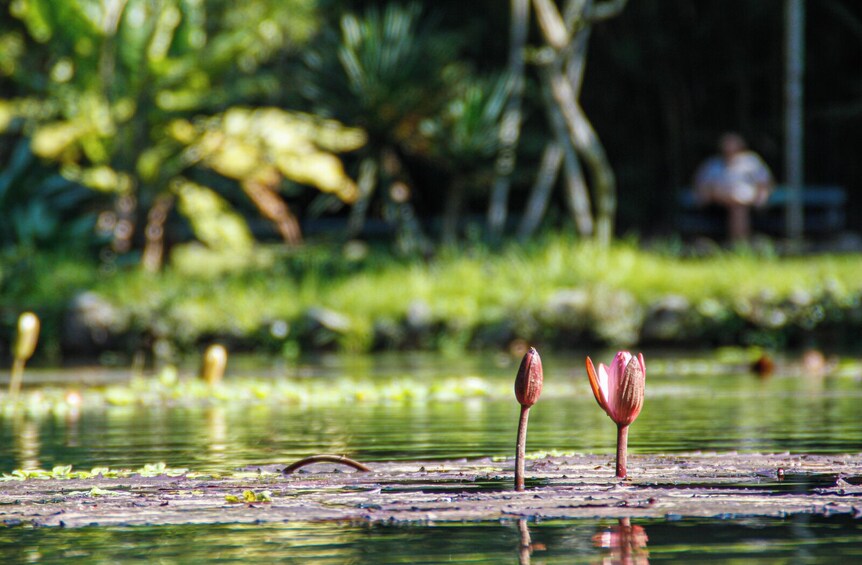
x,y
554,292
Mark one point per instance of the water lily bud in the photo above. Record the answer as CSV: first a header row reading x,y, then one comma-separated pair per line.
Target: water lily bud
x,y
619,389
28,336
528,383
215,361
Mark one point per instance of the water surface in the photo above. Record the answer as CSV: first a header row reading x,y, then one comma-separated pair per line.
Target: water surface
x,y
688,407
691,404
803,539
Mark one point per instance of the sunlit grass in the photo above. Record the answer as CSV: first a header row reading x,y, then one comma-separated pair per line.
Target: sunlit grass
x,y
459,291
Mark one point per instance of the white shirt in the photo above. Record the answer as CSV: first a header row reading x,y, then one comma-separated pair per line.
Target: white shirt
x,y
738,179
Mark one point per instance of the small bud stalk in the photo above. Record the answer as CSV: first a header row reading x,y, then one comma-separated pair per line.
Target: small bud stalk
x,y
521,448
619,390
25,345
528,388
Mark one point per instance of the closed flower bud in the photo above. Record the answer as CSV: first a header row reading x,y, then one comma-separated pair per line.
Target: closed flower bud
x,y
528,383
215,361
619,389
28,336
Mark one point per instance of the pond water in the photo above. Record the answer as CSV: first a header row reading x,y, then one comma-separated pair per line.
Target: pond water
x,y
691,404
802,539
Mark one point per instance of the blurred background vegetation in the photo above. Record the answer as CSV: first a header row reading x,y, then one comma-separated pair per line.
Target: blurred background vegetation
x,y
307,142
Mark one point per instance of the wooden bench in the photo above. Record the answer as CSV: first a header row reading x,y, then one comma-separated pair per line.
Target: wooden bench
x,y
823,209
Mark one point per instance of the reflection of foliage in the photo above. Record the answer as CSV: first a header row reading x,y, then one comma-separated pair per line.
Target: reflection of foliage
x,y
99,83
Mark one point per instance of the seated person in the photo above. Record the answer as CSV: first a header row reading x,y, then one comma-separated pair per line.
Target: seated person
x,y
737,179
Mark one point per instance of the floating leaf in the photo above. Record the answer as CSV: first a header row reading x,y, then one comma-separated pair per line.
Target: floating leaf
x,y
96,491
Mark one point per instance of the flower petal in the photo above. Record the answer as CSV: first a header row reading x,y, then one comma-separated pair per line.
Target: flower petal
x,y
596,385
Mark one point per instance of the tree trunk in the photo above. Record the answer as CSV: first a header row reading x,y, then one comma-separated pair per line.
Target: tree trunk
x,y
262,191
452,213
577,193
125,207
541,191
367,181
154,248
410,237
794,120
604,180
567,39
588,146
510,126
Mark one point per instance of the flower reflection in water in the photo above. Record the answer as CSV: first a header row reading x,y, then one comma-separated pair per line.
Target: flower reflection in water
x,y
624,544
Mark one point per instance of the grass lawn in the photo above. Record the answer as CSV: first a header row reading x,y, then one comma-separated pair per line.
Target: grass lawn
x,y
457,293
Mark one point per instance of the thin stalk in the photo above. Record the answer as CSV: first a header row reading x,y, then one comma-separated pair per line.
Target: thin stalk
x,y
622,448
16,378
521,448
340,459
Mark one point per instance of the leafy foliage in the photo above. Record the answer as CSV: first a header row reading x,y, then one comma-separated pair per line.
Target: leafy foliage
x,y
399,76
65,472
384,72
465,135
244,143
40,208
102,86
249,496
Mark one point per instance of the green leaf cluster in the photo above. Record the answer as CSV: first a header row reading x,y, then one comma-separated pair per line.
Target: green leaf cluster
x,y
249,496
140,98
65,472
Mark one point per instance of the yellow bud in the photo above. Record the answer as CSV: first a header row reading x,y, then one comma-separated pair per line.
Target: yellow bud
x,y
28,336
215,361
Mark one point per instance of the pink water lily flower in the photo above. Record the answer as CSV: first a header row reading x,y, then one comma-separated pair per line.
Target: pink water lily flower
x,y
619,390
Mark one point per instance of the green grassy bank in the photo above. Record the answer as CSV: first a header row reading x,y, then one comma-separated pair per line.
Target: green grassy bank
x,y
555,291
